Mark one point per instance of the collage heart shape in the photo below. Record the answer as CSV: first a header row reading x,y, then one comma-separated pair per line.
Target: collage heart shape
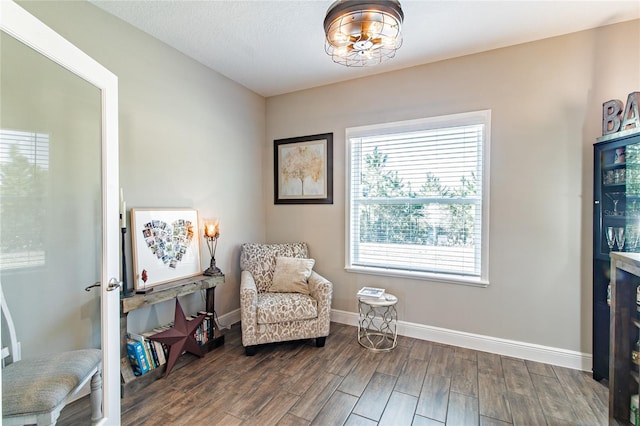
x,y
169,242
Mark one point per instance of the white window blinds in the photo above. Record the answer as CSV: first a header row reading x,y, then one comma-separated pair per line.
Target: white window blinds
x,y
416,196
24,167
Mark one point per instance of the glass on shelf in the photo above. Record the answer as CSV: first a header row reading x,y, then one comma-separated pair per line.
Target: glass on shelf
x,y
632,237
615,199
608,177
620,238
633,208
611,237
617,176
617,237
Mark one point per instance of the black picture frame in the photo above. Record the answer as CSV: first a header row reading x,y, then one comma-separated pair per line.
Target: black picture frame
x,y
303,169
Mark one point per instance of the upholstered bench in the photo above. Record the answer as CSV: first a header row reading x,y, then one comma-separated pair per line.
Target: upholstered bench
x,y
36,390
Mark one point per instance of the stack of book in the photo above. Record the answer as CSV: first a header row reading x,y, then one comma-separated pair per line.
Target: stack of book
x,y
206,330
371,293
137,352
146,355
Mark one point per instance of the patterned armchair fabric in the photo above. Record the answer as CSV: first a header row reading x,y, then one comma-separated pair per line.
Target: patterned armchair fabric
x,y
277,317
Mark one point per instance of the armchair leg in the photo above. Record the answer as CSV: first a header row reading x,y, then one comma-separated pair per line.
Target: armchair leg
x,y
320,341
251,350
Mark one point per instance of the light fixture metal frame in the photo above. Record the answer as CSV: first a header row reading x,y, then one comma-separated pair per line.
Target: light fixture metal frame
x,y
360,33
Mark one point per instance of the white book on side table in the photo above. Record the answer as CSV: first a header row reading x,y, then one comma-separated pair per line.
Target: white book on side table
x,y
371,293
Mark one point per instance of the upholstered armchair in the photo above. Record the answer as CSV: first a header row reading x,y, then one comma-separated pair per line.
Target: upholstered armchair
x,y
281,297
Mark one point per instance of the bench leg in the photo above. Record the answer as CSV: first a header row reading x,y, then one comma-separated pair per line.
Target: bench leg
x,y
320,341
251,350
96,396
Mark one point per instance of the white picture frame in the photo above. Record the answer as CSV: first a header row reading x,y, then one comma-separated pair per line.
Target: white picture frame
x,y
165,245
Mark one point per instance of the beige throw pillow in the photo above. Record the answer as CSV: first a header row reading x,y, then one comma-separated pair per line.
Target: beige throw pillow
x,y
291,275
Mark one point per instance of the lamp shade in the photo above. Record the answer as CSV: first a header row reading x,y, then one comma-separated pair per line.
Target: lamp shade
x,y
211,228
361,33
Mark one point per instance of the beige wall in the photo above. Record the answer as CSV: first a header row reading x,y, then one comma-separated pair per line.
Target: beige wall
x,y
189,137
546,102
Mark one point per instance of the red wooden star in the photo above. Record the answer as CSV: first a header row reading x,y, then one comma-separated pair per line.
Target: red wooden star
x,y
180,337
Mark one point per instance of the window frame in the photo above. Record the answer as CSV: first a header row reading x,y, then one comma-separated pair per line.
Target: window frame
x,y
430,123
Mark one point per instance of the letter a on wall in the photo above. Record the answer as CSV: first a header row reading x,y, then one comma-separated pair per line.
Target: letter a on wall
x,y
631,116
615,120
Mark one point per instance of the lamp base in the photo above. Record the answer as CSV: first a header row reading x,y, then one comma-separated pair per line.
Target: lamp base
x,y
212,270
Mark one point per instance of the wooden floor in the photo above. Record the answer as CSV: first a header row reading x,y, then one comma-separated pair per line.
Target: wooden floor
x,y
419,383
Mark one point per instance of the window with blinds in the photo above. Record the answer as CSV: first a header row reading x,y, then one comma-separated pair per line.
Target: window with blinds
x,y
417,197
24,167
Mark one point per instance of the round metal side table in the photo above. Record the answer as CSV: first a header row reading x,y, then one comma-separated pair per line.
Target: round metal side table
x,y
378,323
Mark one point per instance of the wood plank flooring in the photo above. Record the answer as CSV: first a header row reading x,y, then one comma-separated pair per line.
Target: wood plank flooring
x,y
418,383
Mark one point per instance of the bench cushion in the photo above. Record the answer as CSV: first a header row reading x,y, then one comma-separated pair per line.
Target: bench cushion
x,y
40,384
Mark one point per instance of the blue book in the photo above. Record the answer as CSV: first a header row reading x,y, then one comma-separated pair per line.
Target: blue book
x,y
146,347
137,357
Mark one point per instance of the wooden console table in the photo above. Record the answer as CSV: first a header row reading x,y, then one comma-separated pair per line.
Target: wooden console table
x,y
624,327
163,293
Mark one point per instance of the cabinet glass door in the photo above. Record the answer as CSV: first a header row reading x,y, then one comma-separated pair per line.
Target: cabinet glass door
x,y
619,199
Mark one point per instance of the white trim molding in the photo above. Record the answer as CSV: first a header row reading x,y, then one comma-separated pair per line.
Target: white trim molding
x,y
227,320
524,350
513,348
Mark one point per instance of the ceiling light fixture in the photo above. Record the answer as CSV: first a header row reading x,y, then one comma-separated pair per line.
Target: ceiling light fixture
x,y
363,32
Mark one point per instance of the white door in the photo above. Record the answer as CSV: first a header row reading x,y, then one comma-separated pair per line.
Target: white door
x,y
94,208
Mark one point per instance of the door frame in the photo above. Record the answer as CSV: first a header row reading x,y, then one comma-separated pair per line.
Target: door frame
x,y
26,28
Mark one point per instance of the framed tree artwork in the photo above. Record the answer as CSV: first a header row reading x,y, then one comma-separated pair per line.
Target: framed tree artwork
x,y
303,170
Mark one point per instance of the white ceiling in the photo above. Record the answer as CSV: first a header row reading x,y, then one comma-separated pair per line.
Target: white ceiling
x,y
277,46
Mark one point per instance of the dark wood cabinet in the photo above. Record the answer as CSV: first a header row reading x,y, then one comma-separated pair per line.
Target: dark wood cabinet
x,y
623,373
616,227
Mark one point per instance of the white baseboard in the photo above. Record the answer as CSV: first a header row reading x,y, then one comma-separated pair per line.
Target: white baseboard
x,y
530,351
228,319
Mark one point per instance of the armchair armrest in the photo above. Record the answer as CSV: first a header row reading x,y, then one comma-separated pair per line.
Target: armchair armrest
x,y
248,298
321,289
319,286
247,283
